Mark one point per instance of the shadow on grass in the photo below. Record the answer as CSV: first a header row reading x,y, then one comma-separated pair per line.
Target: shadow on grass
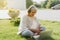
x,y
46,35
46,38
28,38
43,36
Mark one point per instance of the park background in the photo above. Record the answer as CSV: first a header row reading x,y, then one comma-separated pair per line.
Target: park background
x,y
11,12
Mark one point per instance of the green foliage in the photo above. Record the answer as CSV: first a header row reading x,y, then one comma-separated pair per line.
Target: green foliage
x,y
3,4
43,4
13,12
55,2
15,21
28,3
49,3
38,5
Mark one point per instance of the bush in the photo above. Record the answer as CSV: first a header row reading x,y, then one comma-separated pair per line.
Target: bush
x,y
13,13
15,21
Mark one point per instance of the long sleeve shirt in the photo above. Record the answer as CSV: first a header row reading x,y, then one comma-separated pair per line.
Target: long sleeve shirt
x,y
28,22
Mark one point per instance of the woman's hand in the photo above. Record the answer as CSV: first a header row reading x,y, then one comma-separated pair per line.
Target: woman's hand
x,y
35,30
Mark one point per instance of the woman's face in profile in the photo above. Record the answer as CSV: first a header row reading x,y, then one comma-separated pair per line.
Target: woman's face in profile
x,y
33,12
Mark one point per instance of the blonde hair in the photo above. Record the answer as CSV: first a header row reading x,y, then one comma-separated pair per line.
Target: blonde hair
x,y
29,9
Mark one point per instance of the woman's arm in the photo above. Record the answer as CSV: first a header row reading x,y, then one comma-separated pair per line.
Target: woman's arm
x,y
35,30
24,23
38,27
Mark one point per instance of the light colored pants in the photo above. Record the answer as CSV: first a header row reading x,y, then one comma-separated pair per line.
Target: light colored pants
x,y
27,32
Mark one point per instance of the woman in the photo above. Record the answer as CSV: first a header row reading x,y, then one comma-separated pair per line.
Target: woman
x,y
29,25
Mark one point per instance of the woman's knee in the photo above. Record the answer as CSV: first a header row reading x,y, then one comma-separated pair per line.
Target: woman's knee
x,y
43,28
27,33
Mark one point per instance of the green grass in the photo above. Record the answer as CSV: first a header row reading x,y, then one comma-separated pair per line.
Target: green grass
x,y
8,31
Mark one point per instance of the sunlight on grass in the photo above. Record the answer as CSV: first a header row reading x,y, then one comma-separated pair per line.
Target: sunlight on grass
x,y
54,26
8,31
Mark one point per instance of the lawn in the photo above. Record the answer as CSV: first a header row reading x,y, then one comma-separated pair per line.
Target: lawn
x,y
8,31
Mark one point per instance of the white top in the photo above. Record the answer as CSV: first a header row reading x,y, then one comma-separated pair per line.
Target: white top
x,y
28,22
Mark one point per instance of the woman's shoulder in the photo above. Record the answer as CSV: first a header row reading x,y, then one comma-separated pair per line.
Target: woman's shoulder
x,y
25,17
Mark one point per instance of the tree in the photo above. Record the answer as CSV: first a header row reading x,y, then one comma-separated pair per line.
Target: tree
x,y
43,4
48,4
28,3
55,2
3,4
